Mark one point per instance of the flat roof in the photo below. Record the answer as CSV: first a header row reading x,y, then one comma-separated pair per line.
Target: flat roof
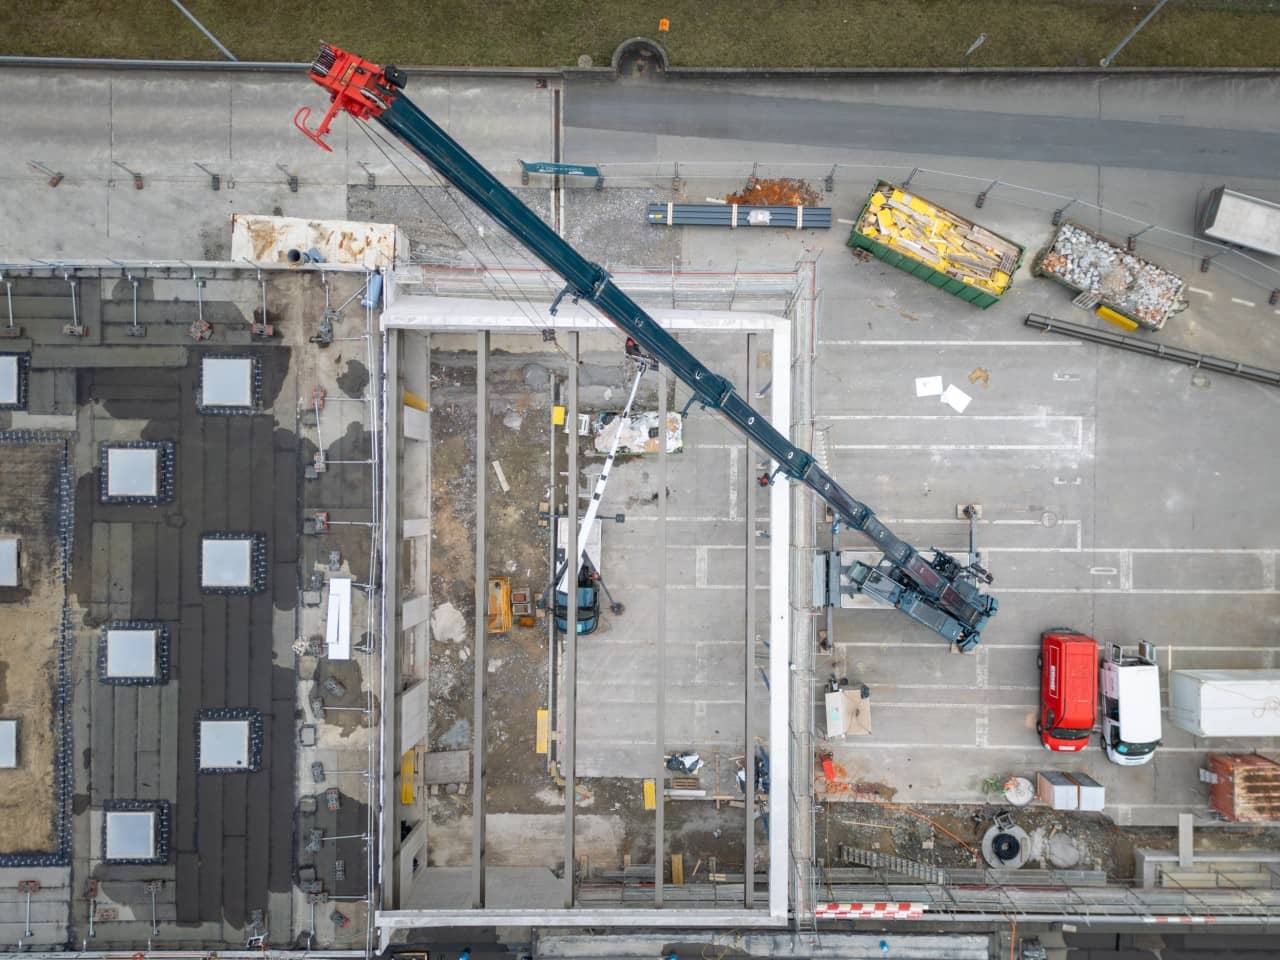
x,y
224,744
227,563
133,472
131,653
131,834
9,573
10,379
8,744
226,382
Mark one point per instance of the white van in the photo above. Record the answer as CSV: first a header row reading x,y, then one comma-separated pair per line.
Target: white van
x,y
1130,689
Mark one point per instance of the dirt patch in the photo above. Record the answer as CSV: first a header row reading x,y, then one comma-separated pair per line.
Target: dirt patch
x,y
951,836
29,629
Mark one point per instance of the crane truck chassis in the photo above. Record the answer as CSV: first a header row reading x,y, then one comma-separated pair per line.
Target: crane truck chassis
x,y
940,593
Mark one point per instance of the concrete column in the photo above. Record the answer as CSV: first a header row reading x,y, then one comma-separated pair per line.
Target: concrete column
x,y
660,737
749,660
567,744
482,591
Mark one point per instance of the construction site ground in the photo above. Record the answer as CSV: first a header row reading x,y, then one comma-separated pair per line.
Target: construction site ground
x,y
616,694
31,615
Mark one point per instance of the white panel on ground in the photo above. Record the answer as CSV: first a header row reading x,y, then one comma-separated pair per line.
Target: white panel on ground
x,y
414,611
417,425
416,527
413,715
338,622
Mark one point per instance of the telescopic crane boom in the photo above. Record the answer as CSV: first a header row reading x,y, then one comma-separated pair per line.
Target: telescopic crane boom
x,y
938,593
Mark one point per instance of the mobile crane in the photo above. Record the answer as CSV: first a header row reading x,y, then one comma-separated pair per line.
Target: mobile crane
x,y
941,593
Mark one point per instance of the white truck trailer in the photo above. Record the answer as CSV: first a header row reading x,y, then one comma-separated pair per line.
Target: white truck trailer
x,y
1226,703
1229,216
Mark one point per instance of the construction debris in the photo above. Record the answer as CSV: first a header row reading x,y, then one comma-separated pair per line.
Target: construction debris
x,y
961,257
1130,286
775,192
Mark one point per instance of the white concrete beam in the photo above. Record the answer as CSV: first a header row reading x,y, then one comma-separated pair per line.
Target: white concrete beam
x,y
470,314
414,611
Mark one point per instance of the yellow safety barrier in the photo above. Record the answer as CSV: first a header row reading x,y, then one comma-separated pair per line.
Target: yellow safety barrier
x,y
1119,319
406,779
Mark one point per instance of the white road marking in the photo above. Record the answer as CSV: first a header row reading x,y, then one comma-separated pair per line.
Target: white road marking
x,y
1203,293
1073,482
1103,571
733,486
1243,303
1064,342
700,567
955,446
1023,417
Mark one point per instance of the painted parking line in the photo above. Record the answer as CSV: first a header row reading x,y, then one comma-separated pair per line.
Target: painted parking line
x,y
952,432
1203,293
1064,342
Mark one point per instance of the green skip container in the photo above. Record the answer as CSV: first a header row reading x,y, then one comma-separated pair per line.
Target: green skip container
x,y
917,265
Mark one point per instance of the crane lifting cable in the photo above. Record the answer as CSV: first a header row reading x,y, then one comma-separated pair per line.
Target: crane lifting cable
x,y
941,593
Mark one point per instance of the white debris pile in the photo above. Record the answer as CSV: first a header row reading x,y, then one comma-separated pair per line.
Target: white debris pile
x,y
1087,262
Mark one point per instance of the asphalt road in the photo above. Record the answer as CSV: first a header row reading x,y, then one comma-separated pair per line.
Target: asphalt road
x,y
692,110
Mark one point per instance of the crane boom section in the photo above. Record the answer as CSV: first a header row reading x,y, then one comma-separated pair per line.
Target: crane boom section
x,y
934,593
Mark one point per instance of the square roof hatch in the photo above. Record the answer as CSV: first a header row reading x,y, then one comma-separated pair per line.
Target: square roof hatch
x,y
130,834
10,381
133,472
9,570
226,382
8,744
226,564
131,654
224,744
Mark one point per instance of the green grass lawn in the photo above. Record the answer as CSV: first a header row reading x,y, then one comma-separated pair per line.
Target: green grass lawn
x,y
713,33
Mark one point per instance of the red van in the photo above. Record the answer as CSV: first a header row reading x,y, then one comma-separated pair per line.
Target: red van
x,y
1068,663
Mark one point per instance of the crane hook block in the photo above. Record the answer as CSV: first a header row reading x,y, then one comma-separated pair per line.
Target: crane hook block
x,y
357,86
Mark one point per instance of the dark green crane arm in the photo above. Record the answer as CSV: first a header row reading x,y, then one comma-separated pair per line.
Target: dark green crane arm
x,y
935,593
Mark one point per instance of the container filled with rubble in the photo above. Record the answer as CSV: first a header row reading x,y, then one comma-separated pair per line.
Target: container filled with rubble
x,y
1117,286
927,241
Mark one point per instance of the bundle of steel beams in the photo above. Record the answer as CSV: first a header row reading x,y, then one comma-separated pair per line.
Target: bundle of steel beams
x,y
734,215
1177,354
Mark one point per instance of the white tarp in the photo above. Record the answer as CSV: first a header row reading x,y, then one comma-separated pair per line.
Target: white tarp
x,y
338,622
639,433
265,239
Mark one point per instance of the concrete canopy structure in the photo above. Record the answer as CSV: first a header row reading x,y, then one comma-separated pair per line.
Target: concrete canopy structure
x,y
132,654
130,835
226,382
224,745
10,552
133,472
10,380
226,564
8,744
